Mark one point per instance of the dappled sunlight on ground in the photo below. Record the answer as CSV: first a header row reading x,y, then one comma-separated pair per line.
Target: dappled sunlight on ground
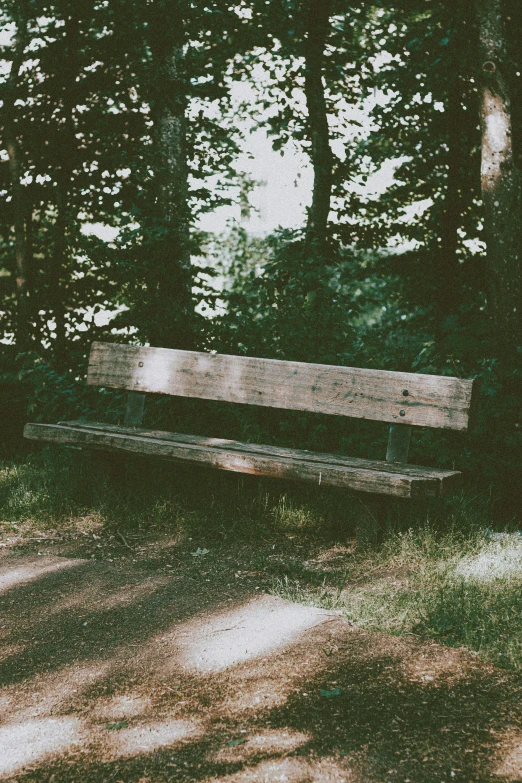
x,y
290,770
264,743
51,693
9,651
124,675
510,766
333,558
28,571
121,706
441,666
252,691
499,560
35,740
105,597
261,627
148,737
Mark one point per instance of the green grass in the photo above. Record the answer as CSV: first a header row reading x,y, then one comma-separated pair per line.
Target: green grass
x,y
441,572
57,486
463,589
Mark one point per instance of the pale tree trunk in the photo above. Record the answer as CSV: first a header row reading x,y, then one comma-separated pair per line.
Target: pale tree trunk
x,y
501,184
23,326
317,26
170,273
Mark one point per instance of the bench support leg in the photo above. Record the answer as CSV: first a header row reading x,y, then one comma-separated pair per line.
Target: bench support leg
x,y
375,508
134,409
116,465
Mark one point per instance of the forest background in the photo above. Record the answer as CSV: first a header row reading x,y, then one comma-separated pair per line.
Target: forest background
x,y
135,115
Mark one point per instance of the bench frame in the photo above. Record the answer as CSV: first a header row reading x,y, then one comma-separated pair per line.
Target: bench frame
x,y
404,400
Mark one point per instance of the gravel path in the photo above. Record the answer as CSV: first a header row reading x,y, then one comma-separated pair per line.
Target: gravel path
x,y
130,674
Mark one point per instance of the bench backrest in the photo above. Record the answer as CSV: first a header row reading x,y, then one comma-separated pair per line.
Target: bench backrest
x,y
394,397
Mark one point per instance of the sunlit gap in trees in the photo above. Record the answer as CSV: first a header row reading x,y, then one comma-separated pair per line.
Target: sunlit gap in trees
x,y
281,180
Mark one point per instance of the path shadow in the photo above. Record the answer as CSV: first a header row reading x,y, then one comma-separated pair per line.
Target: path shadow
x,y
115,675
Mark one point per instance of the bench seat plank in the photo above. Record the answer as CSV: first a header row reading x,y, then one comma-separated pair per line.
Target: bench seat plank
x,y
394,397
417,471
328,469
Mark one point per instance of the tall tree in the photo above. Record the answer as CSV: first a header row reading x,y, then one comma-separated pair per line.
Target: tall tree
x,y
170,276
424,115
501,182
67,73
317,26
73,146
18,201
458,131
182,79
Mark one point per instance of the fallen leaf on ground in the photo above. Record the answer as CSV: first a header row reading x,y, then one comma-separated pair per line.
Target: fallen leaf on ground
x,y
326,694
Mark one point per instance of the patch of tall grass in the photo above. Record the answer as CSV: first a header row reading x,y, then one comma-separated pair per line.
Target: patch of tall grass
x,y
464,590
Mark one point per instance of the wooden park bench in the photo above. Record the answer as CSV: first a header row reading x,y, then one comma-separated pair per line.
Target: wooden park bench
x,y
402,400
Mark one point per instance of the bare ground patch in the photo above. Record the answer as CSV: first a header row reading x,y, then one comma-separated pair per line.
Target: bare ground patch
x,y
128,657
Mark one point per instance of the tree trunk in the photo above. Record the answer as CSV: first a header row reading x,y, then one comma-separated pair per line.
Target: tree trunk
x,y
59,260
23,326
30,281
64,175
501,185
317,27
460,130
170,274
448,266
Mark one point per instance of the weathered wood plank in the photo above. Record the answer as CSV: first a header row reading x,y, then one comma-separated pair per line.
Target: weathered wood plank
x,y
448,478
408,398
356,478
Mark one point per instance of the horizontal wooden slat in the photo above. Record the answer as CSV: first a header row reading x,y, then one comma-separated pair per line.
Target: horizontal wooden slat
x,y
408,398
416,471
360,475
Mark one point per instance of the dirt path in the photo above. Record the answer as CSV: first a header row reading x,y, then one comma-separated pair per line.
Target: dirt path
x,y
127,672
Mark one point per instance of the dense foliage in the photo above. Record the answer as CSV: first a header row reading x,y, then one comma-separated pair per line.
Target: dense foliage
x,y
121,114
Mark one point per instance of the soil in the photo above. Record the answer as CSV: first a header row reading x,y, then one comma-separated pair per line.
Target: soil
x,y
146,659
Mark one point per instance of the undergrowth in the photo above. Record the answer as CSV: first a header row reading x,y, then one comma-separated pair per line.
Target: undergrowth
x,y
442,571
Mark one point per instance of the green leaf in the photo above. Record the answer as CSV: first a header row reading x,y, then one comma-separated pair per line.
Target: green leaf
x,y
117,726
326,694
